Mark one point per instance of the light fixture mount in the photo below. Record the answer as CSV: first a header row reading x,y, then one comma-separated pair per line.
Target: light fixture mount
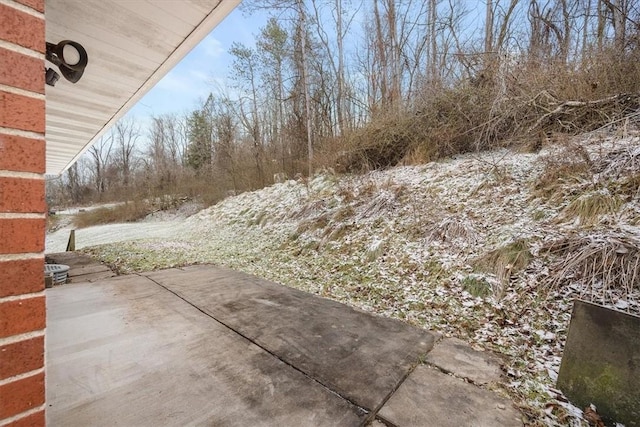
x,y
70,62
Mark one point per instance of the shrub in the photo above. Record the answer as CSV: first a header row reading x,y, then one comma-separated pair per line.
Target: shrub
x,y
125,212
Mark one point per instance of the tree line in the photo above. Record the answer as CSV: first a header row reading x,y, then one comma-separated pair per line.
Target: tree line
x,y
329,78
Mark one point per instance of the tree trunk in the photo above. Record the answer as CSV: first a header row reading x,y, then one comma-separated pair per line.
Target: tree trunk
x,y
394,66
305,83
488,29
619,23
340,75
433,60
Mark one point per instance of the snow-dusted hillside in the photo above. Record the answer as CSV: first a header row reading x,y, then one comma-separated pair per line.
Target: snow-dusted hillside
x,y
490,248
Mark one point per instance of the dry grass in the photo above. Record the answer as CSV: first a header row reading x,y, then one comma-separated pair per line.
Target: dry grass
x,y
590,189
600,261
620,160
452,229
312,224
505,261
590,207
564,172
385,199
628,186
621,168
55,222
126,212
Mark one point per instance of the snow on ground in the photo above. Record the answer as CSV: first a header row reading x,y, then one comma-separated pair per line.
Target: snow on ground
x,y
112,233
462,247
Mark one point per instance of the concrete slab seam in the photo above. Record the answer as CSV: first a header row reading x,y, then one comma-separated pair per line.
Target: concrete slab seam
x,y
374,413
365,410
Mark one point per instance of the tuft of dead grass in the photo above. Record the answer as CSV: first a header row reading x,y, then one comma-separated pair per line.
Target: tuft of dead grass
x,y
628,187
451,230
569,170
505,261
588,208
385,199
600,261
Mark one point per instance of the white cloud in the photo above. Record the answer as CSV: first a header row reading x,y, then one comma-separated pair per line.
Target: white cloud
x,y
211,47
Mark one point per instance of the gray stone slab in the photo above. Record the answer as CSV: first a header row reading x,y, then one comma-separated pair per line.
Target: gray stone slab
x,y
128,352
429,397
360,356
601,362
457,357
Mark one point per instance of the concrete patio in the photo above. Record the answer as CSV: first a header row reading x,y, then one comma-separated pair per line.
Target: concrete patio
x,y
204,345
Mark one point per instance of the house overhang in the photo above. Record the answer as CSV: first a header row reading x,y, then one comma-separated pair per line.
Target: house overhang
x,y
131,45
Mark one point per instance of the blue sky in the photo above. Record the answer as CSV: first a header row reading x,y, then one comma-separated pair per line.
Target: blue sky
x,y
204,67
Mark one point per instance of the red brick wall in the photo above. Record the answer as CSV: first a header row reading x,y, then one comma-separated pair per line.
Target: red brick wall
x,y
22,213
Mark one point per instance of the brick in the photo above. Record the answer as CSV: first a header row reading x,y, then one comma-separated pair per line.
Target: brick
x,y
22,112
20,235
21,71
22,316
21,28
20,396
22,154
21,277
33,4
21,357
22,195
33,420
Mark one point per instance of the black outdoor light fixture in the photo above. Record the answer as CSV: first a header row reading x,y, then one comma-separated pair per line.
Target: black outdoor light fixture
x,y
71,59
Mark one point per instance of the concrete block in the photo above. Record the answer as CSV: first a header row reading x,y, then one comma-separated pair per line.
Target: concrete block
x,y
601,362
429,397
456,356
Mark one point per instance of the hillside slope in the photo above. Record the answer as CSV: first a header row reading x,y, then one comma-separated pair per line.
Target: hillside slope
x,y
490,248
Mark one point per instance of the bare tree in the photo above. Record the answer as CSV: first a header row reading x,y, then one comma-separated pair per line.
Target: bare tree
x,y
100,152
126,133
245,65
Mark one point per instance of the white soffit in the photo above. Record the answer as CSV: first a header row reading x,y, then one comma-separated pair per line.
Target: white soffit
x,y
131,45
